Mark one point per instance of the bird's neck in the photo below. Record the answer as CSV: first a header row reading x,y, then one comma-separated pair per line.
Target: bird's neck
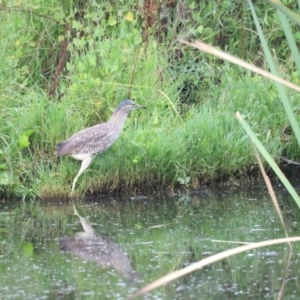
x,y
118,119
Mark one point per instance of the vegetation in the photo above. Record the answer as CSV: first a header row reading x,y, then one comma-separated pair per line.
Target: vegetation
x,y
66,67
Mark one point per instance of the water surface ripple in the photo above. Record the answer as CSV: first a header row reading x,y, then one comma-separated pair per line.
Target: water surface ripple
x,y
141,238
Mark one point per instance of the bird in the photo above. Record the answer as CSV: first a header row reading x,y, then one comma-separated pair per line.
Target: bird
x,y
87,143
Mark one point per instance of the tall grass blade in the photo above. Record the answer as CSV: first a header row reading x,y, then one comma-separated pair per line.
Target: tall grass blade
x,y
271,191
289,13
268,158
290,38
207,261
281,90
223,55
171,103
284,278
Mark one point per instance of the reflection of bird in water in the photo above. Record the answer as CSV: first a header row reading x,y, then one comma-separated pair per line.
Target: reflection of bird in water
x,y
98,249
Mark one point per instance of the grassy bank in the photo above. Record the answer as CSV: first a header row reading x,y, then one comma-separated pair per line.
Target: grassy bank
x,y
188,135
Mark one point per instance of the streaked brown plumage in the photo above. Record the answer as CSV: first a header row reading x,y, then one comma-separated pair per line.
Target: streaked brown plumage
x,y
87,143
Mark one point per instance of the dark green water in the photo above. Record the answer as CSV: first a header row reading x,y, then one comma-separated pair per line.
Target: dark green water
x,y
159,234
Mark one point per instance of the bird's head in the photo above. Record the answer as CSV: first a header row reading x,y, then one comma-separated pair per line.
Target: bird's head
x,y
127,106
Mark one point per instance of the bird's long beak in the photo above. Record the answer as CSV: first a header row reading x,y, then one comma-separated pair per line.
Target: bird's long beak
x,y
139,106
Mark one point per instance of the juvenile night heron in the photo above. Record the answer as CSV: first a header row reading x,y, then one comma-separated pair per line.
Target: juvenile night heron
x,y
87,143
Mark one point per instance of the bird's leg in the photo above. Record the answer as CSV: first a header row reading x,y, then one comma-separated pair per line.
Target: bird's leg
x,y
84,165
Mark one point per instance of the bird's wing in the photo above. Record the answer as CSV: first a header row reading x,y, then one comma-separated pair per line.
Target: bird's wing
x,y
92,140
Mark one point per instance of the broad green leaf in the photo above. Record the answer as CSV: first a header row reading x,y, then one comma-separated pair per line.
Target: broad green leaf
x,y
97,81
81,66
76,25
92,60
192,5
129,16
24,139
28,132
200,29
112,21
4,178
60,38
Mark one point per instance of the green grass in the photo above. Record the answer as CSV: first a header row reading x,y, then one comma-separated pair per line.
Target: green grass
x,y
157,148
188,135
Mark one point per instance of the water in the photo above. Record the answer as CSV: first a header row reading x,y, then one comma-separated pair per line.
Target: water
x,y
143,238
